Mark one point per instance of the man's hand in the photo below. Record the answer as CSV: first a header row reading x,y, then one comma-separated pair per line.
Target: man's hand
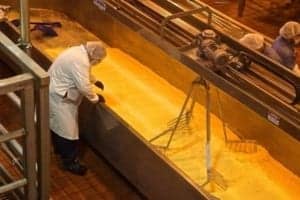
x,y
101,99
99,84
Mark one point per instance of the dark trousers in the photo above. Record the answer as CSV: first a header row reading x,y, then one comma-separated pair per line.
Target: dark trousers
x,y
67,149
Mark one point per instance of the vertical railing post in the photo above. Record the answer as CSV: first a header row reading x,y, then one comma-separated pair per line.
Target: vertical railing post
x,y
30,142
24,23
42,105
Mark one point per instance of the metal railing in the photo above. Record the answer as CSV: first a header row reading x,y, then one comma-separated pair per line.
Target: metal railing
x,y
34,100
25,84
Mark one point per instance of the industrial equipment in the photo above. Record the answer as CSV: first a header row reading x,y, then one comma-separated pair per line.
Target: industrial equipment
x,y
190,38
265,86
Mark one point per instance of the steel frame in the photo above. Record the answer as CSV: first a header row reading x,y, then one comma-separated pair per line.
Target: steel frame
x,y
39,93
288,116
25,84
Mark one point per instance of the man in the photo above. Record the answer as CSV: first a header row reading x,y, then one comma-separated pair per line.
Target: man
x,y
285,43
70,80
256,42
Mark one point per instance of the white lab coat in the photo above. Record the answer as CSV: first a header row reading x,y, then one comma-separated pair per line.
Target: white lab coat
x,y
69,81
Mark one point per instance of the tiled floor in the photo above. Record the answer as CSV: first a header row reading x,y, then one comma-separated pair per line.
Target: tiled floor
x,y
101,181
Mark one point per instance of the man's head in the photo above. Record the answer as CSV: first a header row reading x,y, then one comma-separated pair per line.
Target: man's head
x,y
253,41
290,31
96,51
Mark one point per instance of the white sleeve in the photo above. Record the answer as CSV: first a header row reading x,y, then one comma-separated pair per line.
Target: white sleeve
x,y
81,77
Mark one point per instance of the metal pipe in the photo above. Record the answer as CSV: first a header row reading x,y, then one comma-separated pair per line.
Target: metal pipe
x,y
6,178
13,185
12,135
24,19
15,160
17,101
16,146
14,98
30,142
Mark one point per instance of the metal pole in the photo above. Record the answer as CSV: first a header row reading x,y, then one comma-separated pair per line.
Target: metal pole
x,y
12,135
181,114
14,98
14,185
42,103
13,144
208,133
30,142
24,19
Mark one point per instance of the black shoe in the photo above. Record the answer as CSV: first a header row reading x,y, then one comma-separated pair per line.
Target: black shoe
x,y
76,168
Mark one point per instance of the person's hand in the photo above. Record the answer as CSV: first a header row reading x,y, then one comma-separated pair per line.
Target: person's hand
x,y
101,98
99,84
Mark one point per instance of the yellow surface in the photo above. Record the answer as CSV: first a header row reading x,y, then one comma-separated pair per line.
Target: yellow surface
x,y
147,102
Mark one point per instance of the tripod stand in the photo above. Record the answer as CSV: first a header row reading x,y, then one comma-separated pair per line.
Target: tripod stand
x,y
184,116
184,119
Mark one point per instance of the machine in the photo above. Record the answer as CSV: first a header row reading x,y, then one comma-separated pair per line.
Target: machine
x,y
177,40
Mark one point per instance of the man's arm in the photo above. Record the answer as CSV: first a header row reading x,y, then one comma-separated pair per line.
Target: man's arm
x,y
81,77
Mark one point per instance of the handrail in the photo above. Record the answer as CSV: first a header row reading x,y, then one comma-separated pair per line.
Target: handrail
x,y
25,84
15,83
39,92
12,186
12,51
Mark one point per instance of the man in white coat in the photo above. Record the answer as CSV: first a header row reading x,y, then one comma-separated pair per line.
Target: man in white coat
x,y
70,80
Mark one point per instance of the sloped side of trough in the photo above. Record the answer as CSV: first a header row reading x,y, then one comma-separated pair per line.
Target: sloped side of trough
x,y
150,172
